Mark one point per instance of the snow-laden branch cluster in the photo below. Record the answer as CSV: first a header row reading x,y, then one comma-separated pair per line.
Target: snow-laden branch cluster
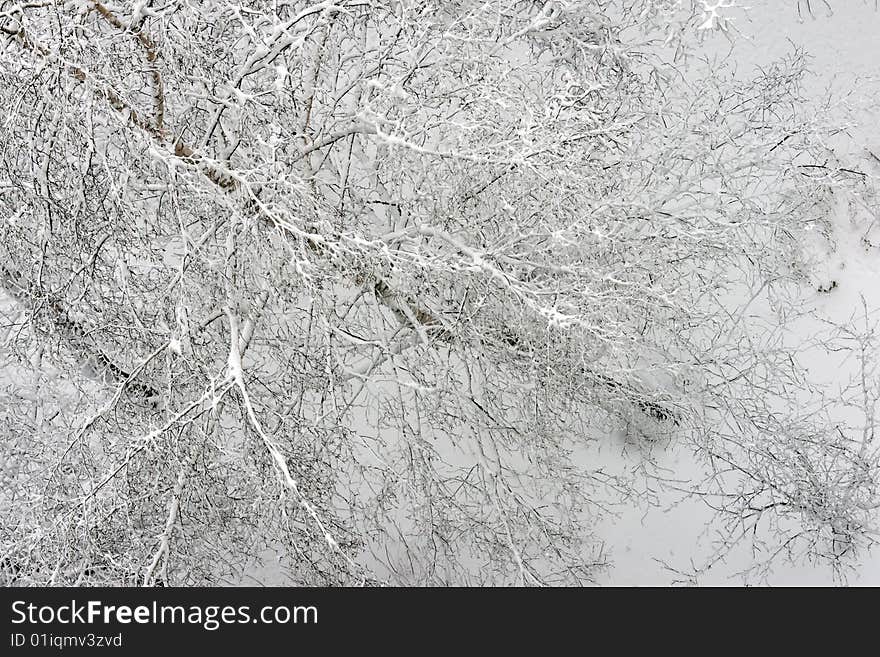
x,y
385,273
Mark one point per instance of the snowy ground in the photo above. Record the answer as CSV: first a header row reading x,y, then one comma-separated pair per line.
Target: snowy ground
x,y
845,51
845,48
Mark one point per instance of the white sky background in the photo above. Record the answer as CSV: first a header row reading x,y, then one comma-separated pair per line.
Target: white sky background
x,y
845,47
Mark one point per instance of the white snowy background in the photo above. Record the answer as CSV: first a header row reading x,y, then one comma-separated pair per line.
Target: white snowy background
x,y
643,543
844,47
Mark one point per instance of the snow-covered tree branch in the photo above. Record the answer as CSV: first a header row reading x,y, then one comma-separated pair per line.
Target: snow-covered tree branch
x,y
365,284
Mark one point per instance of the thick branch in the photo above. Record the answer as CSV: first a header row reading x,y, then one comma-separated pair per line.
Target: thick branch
x,y
152,55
